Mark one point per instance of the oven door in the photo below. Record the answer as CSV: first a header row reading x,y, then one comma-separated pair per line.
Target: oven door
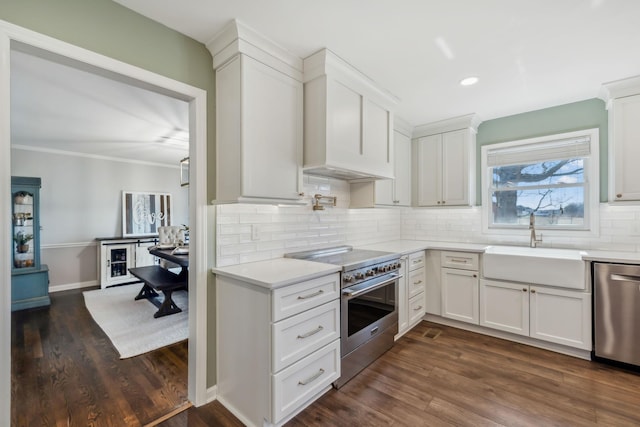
x,y
367,309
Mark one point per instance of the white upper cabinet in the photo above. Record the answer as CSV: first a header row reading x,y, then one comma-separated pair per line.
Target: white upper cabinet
x,y
259,119
397,192
623,103
348,121
444,162
388,192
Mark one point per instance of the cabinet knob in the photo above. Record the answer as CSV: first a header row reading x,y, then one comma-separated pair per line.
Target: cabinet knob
x,y
475,275
438,201
301,194
618,195
443,202
524,289
533,291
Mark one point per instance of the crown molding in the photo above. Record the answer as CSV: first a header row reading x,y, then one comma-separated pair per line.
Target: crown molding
x,y
469,121
619,89
237,38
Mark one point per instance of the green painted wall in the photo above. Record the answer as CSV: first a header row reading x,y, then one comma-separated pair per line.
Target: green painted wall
x,y
110,29
564,118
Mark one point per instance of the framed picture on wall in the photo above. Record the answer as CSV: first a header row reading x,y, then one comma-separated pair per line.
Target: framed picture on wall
x,y
143,213
184,172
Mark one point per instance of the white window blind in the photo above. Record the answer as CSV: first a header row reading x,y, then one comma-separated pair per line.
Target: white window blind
x,y
539,152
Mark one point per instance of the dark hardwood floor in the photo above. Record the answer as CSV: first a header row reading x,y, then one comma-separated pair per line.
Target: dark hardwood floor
x,y
65,372
461,378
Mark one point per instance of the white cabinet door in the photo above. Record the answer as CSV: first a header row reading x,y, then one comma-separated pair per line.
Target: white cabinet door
x,y
460,295
402,183
504,306
445,165
397,192
143,257
562,317
116,261
625,145
455,168
258,132
429,170
272,132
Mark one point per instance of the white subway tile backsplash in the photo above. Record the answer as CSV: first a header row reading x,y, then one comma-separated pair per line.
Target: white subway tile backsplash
x,y
288,229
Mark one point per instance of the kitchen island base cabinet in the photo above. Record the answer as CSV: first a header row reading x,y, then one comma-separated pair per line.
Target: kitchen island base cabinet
x,y
278,350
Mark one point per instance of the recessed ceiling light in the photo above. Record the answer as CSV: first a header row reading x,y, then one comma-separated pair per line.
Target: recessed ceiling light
x,y
469,81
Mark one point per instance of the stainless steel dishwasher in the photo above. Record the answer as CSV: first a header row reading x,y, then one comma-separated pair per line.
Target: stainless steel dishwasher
x,y
617,312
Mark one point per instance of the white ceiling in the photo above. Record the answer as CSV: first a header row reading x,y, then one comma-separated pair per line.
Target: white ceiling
x,y
58,107
528,54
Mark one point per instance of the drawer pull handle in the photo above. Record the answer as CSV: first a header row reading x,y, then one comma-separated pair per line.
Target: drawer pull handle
x,y
315,294
417,261
458,260
311,379
308,334
418,308
418,282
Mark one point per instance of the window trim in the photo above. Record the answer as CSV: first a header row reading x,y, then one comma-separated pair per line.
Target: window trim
x,y
592,187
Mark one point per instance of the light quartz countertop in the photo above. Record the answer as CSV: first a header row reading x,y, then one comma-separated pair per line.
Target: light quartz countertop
x,y
404,247
611,256
275,273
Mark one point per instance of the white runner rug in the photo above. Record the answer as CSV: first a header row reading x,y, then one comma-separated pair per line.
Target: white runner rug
x,y
130,324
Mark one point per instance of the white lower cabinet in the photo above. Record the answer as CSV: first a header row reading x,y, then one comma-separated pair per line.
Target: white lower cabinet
x,y
549,314
460,295
460,286
504,306
277,349
559,316
411,293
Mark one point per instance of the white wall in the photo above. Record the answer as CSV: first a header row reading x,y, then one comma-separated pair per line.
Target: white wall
x,y
80,200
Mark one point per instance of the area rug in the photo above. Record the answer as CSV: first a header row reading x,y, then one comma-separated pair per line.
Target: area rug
x,y
130,324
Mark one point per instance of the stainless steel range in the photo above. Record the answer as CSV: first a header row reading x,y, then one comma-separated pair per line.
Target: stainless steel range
x,y
368,309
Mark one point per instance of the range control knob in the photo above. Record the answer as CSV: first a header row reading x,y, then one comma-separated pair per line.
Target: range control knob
x,y
384,268
370,273
347,278
359,276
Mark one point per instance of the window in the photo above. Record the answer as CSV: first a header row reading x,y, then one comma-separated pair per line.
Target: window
x,y
550,177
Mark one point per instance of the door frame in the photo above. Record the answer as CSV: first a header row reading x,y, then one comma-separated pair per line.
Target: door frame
x,y
13,36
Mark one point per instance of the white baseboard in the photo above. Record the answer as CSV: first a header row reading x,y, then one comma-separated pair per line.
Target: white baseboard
x,y
70,286
558,348
212,394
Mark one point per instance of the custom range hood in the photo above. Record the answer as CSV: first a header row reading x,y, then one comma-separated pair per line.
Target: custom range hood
x,y
348,121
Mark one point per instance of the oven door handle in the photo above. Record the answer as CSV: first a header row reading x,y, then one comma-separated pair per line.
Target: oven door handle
x,y
355,290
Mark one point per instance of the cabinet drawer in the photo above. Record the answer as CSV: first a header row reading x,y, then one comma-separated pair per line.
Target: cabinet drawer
x,y
302,334
462,260
416,308
416,260
294,299
295,385
416,282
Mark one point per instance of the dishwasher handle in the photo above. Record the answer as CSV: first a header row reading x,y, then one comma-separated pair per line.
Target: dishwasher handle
x,y
624,278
